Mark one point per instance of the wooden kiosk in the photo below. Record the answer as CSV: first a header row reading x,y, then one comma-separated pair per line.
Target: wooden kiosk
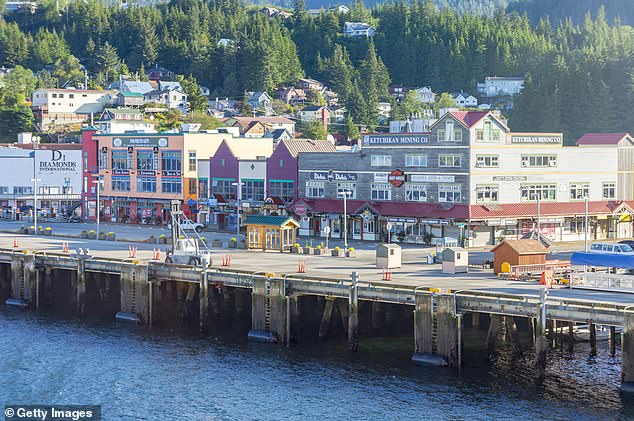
x,y
266,232
518,252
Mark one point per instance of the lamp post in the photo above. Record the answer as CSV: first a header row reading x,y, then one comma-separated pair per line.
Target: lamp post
x,y
238,197
98,183
345,195
585,226
35,180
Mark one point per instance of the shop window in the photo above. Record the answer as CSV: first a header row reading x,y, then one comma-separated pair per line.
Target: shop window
x,y
282,189
579,191
449,161
192,160
203,188
146,185
381,160
533,192
487,194
449,193
609,190
416,160
416,193
224,187
120,184
381,191
351,188
171,185
119,159
144,160
191,188
171,161
315,189
253,190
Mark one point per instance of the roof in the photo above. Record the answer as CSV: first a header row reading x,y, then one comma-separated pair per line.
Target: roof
x,y
250,149
524,246
470,118
270,120
270,220
400,209
313,108
358,26
131,94
135,86
79,91
277,133
295,146
602,138
309,80
124,110
518,210
504,78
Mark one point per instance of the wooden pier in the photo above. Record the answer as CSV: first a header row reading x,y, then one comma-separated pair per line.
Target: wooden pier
x,y
138,290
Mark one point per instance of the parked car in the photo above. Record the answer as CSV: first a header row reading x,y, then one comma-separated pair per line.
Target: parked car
x,y
628,242
191,225
611,248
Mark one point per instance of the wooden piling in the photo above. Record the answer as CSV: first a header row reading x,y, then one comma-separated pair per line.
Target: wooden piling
x,y
494,330
511,332
475,320
448,327
593,339
541,343
571,337
325,318
353,314
423,324
627,353
204,301
612,341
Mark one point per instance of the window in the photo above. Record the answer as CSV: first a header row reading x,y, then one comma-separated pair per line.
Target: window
x,y
192,184
381,191
71,96
171,161
415,160
609,190
487,194
253,190
416,193
285,189
61,95
449,161
192,160
171,185
120,184
576,226
579,191
381,160
144,160
315,189
119,159
449,134
347,187
23,190
54,95
103,159
224,187
440,135
449,193
539,160
532,192
487,161
146,185
203,188
488,134
281,163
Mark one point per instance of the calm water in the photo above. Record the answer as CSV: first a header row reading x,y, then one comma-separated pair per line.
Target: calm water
x,y
136,373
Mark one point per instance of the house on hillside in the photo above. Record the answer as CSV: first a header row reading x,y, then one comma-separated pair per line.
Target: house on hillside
x,y
160,73
315,112
358,29
260,101
385,110
464,100
278,135
290,95
130,99
122,120
307,83
425,95
271,122
398,91
500,86
176,99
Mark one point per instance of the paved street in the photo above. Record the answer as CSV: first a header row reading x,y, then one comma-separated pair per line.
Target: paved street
x,y
412,273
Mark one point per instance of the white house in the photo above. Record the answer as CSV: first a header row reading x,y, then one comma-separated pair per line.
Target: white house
x,y
358,29
416,125
65,106
500,86
464,100
425,95
121,120
169,98
385,110
260,101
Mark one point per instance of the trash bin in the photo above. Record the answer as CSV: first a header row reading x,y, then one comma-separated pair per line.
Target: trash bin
x,y
430,259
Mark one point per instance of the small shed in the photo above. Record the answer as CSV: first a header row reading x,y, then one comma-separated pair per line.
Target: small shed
x,y
518,252
388,256
455,260
267,232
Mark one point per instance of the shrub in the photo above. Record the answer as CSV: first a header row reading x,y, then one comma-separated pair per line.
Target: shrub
x,y
351,249
92,232
234,239
337,248
22,227
48,228
162,236
296,245
31,227
319,247
110,234
204,239
84,232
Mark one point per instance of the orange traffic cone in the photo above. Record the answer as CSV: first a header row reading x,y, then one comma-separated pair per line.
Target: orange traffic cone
x,y
15,242
65,246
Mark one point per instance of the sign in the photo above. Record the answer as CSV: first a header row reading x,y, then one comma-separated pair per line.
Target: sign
x,y
395,139
171,173
146,172
332,176
389,226
510,178
57,163
396,178
380,177
536,138
367,215
146,213
430,178
326,230
212,202
300,210
191,202
139,142
408,220
434,221
120,172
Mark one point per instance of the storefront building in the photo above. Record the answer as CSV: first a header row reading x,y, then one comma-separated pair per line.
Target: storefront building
x,y
141,173
472,179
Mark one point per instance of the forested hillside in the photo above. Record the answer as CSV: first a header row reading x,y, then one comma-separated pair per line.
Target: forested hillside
x,y
579,76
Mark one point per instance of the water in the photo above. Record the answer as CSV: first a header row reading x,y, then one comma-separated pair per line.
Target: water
x,y
138,373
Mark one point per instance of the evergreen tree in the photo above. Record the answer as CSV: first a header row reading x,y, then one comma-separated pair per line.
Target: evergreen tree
x,y
315,130
108,59
350,129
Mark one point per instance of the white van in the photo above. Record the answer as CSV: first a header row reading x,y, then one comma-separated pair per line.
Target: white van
x,y
611,248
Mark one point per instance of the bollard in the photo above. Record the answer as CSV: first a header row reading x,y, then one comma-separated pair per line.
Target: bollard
x,y
65,246
132,251
157,254
301,266
15,243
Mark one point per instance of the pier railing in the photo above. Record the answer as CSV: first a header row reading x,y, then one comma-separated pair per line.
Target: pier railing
x,y
603,281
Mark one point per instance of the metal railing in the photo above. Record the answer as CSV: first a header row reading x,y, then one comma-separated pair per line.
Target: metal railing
x,y
603,281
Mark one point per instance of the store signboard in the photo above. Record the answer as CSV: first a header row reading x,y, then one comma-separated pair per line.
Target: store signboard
x,y
430,178
395,140
140,142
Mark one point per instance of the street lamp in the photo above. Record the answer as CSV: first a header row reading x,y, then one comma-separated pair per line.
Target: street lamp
x,y
238,197
585,226
35,180
98,183
345,195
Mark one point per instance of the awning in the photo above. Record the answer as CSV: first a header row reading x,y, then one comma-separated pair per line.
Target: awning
x,y
52,197
611,260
